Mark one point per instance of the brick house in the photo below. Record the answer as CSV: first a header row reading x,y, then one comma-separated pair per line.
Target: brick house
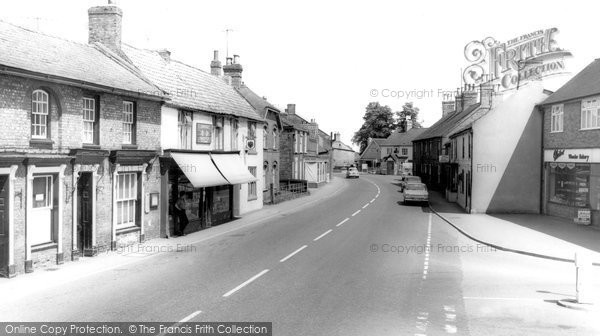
x,y
311,146
216,155
78,153
293,148
571,142
270,140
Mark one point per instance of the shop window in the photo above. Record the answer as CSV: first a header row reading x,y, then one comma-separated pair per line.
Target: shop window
x,y
556,121
590,113
128,123
184,125
40,107
90,121
127,199
252,195
569,184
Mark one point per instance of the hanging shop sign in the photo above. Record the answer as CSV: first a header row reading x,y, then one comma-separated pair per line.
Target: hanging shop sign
x,y
203,133
512,64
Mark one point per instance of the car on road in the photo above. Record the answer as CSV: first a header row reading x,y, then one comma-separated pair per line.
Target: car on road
x,y
416,192
404,180
352,172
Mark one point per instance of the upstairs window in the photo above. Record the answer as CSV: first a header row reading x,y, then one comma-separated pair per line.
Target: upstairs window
x,y
265,137
40,104
218,133
590,113
185,129
251,130
275,139
128,123
90,121
556,121
252,195
404,151
234,133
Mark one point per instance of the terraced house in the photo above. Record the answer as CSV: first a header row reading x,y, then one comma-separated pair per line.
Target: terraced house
x,y
79,148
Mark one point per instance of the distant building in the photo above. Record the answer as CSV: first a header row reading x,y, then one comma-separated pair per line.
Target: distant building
x,y
343,155
397,152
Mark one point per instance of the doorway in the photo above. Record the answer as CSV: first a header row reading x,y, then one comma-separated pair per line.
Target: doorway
x,y
84,214
390,168
4,225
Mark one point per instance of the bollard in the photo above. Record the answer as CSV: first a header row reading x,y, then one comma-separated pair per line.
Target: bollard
x,y
582,284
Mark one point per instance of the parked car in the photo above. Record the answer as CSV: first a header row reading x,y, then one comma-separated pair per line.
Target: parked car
x,y
416,192
404,180
352,172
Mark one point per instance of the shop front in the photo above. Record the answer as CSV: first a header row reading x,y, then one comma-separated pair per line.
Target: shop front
x,y
572,188
207,179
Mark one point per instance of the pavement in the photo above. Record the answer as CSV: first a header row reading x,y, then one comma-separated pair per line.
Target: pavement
x,y
56,275
536,235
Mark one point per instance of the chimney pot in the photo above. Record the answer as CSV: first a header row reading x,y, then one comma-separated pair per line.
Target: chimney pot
x,y
165,54
236,59
291,109
215,64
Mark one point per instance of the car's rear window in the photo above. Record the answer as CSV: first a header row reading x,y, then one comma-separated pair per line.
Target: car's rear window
x,y
415,186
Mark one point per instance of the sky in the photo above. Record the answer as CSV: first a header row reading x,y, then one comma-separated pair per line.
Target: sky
x,y
331,58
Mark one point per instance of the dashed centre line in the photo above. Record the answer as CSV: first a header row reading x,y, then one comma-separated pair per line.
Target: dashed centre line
x,y
323,235
356,213
366,205
342,222
293,253
245,283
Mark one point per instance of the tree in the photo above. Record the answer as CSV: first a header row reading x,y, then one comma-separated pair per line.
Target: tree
x,y
409,111
378,123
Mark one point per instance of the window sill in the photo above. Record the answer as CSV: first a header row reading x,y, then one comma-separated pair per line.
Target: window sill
x,y
253,198
590,129
125,146
128,229
90,146
252,152
44,247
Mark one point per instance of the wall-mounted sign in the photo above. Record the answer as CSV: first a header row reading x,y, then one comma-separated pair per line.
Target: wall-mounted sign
x,y
582,155
512,64
444,158
204,133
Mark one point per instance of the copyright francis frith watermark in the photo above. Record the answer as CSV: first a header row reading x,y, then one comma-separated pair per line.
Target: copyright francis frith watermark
x,y
431,248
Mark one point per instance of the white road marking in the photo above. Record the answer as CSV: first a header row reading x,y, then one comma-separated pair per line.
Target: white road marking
x,y
501,298
450,329
185,319
323,235
356,213
245,283
366,205
342,222
293,253
427,251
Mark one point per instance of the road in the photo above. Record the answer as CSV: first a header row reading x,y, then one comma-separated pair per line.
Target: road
x,y
359,263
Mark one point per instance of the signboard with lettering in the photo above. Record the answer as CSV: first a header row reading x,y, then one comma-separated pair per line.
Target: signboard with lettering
x,y
584,216
512,64
204,133
583,155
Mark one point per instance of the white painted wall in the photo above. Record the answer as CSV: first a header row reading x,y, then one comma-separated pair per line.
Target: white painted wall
x,y
168,128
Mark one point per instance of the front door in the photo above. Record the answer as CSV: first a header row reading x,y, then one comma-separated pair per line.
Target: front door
x,y
390,167
4,225
84,214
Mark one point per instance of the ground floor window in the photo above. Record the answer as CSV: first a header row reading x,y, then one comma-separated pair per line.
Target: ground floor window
x,y
42,209
127,199
569,184
252,195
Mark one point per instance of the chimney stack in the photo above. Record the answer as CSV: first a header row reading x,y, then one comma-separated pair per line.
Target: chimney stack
x,y
409,124
104,24
291,109
458,101
447,107
233,69
470,96
215,65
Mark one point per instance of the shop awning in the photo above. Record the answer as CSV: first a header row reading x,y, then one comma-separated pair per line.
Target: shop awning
x,y
199,169
233,168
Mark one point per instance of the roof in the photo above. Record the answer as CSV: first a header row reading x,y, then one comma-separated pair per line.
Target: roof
x,y
371,151
85,64
258,103
585,83
189,87
403,138
341,146
445,124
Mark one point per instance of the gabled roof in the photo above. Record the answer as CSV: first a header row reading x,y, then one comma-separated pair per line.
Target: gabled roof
x,y
371,152
403,138
258,103
445,124
337,144
189,87
585,83
79,64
